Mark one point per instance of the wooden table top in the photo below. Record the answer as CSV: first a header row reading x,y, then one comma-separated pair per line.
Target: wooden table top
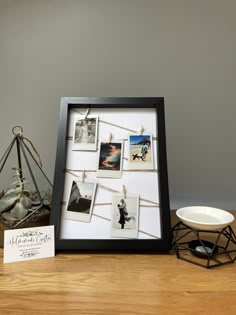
x,y
75,283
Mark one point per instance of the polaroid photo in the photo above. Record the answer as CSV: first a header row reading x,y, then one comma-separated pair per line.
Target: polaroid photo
x,y
110,159
85,133
140,152
81,199
125,216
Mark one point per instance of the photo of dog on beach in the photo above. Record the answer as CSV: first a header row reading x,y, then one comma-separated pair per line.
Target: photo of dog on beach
x,y
140,151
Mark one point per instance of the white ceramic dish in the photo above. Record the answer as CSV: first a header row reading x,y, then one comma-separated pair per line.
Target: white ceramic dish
x,y
205,218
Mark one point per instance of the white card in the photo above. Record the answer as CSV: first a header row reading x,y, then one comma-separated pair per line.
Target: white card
x,y
28,243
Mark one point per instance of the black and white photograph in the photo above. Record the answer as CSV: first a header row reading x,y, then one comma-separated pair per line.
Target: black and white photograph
x,y
140,151
85,133
81,199
110,159
125,216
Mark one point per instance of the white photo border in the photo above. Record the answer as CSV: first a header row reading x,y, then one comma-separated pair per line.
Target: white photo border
x,y
110,173
140,163
134,219
78,216
85,146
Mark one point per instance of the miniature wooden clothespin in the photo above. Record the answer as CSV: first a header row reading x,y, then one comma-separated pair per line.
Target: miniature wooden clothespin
x,y
83,176
87,112
109,137
141,130
123,190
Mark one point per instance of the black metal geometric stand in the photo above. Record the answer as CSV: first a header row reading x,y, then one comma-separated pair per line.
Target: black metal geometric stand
x,y
203,247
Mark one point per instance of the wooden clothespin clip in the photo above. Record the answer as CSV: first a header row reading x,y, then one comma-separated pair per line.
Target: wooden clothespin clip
x,y
141,130
123,190
82,176
109,137
87,112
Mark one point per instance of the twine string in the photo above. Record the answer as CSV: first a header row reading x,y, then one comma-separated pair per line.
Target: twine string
x,y
109,220
33,147
109,204
114,125
115,191
141,231
72,171
118,126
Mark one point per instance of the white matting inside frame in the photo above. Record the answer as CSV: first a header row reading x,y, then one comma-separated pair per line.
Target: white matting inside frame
x,y
143,183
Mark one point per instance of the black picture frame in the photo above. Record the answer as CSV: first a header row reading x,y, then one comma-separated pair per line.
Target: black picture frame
x,y
112,245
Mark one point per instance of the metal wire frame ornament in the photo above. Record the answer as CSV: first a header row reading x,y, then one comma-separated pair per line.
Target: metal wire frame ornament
x,y
22,148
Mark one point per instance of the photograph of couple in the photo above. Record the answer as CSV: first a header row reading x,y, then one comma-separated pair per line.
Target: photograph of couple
x,y
125,216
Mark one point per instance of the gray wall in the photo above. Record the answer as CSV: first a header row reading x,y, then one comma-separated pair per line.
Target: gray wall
x,y
183,50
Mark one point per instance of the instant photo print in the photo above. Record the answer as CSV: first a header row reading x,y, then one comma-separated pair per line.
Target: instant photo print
x,y
125,216
80,204
85,132
140,151
110,159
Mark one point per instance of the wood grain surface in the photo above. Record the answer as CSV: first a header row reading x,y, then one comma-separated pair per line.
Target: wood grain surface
x,y
75,283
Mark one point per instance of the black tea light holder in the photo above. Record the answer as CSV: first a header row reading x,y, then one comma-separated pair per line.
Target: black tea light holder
x,y
204,248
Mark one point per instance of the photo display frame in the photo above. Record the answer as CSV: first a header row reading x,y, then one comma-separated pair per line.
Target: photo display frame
x,y
110,189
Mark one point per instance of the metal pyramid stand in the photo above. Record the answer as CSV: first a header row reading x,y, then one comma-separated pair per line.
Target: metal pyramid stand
x,y
18,203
